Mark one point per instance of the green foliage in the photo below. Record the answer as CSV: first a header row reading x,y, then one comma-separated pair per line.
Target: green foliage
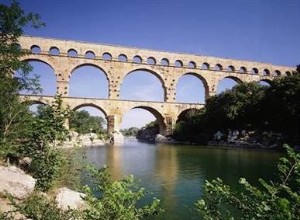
x,y
46,128
272,200
14,115
83,123
39,207
131,132
118,199
248,106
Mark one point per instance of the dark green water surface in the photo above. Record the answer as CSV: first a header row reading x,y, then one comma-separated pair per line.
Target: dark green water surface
x,y
176,173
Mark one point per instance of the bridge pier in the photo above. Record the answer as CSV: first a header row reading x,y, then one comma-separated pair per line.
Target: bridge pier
x,y
113,129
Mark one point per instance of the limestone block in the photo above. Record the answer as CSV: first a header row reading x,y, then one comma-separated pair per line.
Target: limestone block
x,y
16,182
67,198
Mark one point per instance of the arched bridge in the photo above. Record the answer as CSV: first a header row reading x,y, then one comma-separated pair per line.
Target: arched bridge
x,y
116,62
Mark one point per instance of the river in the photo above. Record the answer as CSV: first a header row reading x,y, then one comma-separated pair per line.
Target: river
x,y
176,173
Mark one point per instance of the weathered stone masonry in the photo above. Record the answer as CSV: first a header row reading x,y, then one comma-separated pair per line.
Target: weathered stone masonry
x,y
116,62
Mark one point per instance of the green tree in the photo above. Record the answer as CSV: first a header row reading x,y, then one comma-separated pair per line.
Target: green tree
x,y
272,200
118,200
14,115
82,122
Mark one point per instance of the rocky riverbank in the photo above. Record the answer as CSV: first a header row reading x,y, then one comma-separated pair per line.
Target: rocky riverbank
x,y
19,185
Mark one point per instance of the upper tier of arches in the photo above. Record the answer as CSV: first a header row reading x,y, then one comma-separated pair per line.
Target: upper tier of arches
x,y
148,57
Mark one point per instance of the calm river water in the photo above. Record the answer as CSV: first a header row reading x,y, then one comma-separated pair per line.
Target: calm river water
x,y
176,173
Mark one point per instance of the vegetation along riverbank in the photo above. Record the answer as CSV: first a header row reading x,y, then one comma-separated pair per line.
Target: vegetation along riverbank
x,y
35,172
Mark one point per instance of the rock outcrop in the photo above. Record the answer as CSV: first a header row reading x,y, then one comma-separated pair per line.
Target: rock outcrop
x,y
67,198
16,182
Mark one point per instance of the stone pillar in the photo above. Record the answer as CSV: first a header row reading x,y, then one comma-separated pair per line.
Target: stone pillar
x,y
170,123
113,126
114,90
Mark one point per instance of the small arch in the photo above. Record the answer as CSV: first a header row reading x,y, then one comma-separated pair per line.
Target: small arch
x,y
288,73
122,58
54,51
243,69
90,55
35,49
90,105
227,83
205,66
72,53
106,56
137,59
187,114
151,61
266,72
265,82
218,67
157,115
277,73
16,46
165,62
178,63
254,71
231,68
192,65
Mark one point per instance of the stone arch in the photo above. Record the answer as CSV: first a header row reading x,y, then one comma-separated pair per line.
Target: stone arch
x,y
42,60
165,62
156,74
254,70
54,51
205,66
182,114
159,117
224,84
101,71
106,56
90,55
288,73
243,69
277,73
35,49
90,105
72,53
178,63
137,59
201,78
265,81
122,58
192,65
218,67
90,64
231,68
266,72
151,61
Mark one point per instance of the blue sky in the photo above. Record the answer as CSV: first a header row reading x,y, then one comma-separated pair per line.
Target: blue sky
x,y
259,30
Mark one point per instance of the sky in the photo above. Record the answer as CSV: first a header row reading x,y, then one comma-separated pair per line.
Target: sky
x,y
258,30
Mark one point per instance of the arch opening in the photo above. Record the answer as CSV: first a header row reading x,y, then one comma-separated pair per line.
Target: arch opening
x,y
266,72
141,116
205,66
143,85
151,61
191,88
265,82
192,65
45,75
122,58
90,55
254,71
227,83
165,62
72,53
88,81
178,63
243,70
54,51
218,67
88,118
35,49
137,59
106,56
231,68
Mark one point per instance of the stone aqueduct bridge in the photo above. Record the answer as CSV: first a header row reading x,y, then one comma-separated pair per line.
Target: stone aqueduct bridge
x,y
116,62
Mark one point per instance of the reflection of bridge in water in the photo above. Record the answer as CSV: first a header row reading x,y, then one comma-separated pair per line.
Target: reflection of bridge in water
x,y
116,62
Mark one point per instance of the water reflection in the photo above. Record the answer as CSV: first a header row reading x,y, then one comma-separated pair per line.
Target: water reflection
x,y
176,173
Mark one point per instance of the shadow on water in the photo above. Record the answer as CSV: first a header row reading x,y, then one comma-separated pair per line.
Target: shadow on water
x,y
176,173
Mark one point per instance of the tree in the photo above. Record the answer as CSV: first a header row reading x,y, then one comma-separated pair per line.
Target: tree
x,y
272,200
82,122
14,115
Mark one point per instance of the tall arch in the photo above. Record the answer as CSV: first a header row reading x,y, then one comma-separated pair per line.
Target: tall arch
x,y
227,83
46,73
137,85
157,115
96,85
191,88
